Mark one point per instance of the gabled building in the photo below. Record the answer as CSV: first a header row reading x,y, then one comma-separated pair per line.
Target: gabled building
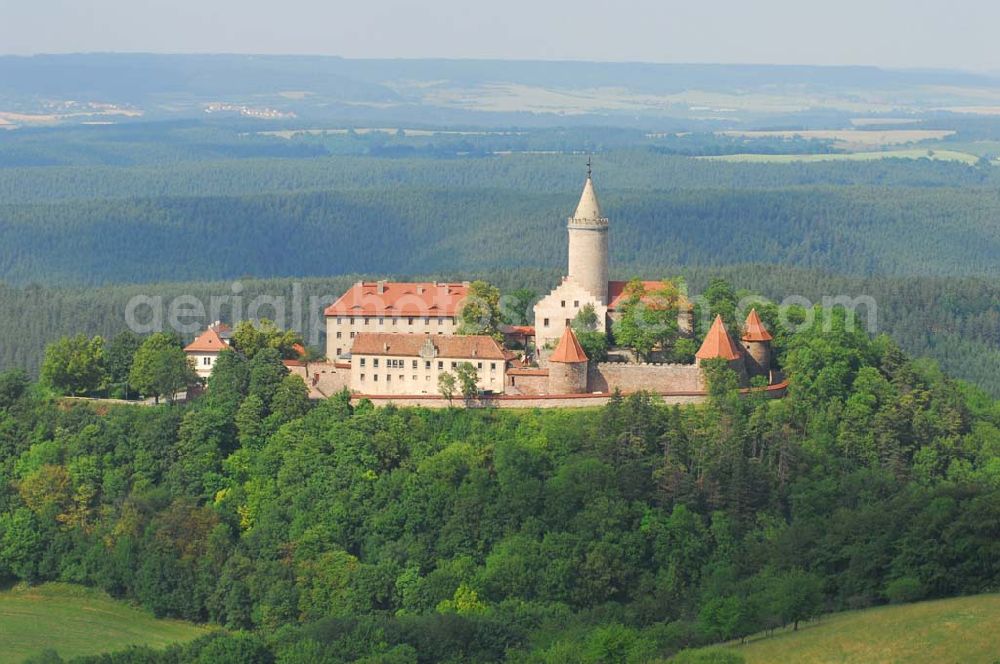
x,y
410,364
204,351
392,307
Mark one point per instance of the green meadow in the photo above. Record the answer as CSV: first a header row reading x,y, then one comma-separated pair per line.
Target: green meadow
x,y
73,621
962,629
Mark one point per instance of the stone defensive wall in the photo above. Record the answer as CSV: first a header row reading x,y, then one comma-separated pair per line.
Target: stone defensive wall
x,y
660,378
551,401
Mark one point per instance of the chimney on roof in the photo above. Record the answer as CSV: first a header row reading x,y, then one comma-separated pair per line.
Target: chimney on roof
x,y
380,287
420,289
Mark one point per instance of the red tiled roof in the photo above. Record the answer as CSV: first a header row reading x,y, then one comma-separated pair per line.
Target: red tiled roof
x,y
293,363
568,350
209,341
400,299
617,295
718,343
754,330
527,330
410,345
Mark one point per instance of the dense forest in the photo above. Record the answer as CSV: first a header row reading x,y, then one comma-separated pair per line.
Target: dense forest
x,y
336,532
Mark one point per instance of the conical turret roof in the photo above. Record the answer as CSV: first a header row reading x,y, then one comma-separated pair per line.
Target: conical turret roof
x,y
569,349
754,330
588,207
718,343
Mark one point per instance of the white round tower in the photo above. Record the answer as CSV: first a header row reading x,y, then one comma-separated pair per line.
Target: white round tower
x,y
588,244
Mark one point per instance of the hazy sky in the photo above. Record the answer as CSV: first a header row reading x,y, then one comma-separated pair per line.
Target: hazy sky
x,y
896,33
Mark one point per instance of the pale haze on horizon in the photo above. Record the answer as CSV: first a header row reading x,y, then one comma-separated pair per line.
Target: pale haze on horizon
x,y
888,33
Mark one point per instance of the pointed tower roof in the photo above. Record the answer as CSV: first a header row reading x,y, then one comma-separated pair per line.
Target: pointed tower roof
x,y
754,330
718,343
569,349
588,207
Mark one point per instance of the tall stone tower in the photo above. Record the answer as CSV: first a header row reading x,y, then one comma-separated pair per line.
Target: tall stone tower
x,y
588,244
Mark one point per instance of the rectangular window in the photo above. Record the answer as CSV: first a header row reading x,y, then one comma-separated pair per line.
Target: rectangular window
x,y
414,378
409,321
414,364
567,322
381,321
339,320
352,320
493,366
427,321
479,365
388,378
375,363
427,365
339,334
545,322
339,350
362,361
352,334
452,365
366,321
562,303
362,378
440,365
375,377
576,304
206,360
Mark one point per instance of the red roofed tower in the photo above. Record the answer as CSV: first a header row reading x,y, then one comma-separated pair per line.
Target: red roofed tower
x,y
718,344
568,366
757,342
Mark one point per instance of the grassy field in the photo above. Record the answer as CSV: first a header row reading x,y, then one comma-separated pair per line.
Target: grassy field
x,y
78,621
943,155
964,629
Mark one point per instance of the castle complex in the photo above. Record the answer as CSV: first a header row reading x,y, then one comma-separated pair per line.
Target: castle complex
x,y
397,339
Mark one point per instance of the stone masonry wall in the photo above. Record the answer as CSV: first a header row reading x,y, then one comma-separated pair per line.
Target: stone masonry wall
x,y
607,376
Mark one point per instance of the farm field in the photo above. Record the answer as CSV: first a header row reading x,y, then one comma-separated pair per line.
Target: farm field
x,y
962,629
75,621
861,138
939,155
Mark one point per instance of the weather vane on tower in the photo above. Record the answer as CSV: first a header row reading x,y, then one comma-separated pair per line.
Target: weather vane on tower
x,y
588,165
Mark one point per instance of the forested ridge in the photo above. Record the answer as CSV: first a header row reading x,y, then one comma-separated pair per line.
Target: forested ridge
x,y
334,533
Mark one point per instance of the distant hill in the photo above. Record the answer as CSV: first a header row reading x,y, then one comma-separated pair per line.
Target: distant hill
x,y
479,91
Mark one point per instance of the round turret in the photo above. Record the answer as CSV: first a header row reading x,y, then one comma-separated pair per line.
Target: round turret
x,y
757,342
568,366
